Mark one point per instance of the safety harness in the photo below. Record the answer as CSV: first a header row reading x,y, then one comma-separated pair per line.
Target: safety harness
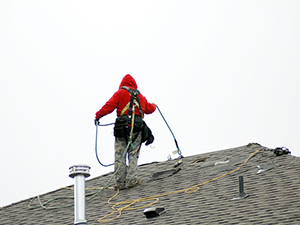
x,y
125,125
134,100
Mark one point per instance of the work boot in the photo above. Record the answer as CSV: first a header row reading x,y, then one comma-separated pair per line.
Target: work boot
x,y
120,187
138,181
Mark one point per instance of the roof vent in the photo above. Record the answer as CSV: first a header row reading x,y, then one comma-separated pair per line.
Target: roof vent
x,y
79,172
153,212
242,194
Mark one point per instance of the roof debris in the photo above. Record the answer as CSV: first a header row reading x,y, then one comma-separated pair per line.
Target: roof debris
x,y
164,174
200,160
265,166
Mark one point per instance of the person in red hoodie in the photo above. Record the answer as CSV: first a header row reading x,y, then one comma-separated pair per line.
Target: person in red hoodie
x,y
127,175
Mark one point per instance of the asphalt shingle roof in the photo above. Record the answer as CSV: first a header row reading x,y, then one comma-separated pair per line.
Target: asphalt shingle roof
x,y
273,194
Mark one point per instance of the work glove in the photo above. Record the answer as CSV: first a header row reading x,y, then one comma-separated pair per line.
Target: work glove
x,y
96,122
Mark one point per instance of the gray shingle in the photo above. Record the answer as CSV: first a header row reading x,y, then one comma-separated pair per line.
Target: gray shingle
x,y
273,195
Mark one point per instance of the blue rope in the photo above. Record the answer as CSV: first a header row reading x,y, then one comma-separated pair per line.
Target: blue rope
x,y
178,149
96,145
179,152
103,125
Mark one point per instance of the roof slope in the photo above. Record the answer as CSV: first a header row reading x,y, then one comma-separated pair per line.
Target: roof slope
x,y
273,196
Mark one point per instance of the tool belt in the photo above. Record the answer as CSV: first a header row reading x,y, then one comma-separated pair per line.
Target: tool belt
x,y
123,125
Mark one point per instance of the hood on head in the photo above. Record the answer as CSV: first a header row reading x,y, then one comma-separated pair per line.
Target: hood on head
x,y
128,81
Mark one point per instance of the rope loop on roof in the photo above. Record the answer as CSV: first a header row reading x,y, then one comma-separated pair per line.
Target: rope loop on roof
x,y
129,203
190,190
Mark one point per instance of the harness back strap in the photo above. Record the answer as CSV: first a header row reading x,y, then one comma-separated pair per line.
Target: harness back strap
x,y
133,100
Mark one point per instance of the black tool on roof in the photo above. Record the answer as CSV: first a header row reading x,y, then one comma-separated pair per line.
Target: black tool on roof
x,y
153,212
281,151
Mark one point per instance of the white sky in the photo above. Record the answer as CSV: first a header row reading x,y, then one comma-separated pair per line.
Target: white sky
x,y
223,73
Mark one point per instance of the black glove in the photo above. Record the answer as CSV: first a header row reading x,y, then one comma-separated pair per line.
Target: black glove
x,y
96,122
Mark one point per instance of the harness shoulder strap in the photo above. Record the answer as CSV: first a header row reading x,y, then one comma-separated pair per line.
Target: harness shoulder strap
x,y
133,100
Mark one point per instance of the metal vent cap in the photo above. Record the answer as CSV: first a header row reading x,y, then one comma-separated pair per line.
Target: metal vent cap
x,y
79,169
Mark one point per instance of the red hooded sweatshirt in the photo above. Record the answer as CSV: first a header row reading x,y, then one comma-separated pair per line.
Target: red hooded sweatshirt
x,y
120,99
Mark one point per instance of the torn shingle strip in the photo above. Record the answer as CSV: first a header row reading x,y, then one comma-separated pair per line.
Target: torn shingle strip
x,y
164,174
200,160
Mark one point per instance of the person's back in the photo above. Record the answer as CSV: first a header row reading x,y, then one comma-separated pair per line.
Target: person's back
x,y
121,101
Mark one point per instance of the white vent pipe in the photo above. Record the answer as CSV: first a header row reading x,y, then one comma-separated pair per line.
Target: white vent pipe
x,y
79,172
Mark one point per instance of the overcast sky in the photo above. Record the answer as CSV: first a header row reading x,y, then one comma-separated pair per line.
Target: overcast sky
x,y
223,73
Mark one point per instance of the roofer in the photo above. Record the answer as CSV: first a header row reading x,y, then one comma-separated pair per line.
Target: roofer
x,y
130,104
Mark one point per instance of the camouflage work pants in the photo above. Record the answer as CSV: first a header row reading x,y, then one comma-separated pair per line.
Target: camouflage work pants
x,y
127,174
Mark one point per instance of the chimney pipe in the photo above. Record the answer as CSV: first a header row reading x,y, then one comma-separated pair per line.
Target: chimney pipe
x,y
79,172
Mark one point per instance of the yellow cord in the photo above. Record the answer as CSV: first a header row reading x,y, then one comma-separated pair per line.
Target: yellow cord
x,y
100,188
155,199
